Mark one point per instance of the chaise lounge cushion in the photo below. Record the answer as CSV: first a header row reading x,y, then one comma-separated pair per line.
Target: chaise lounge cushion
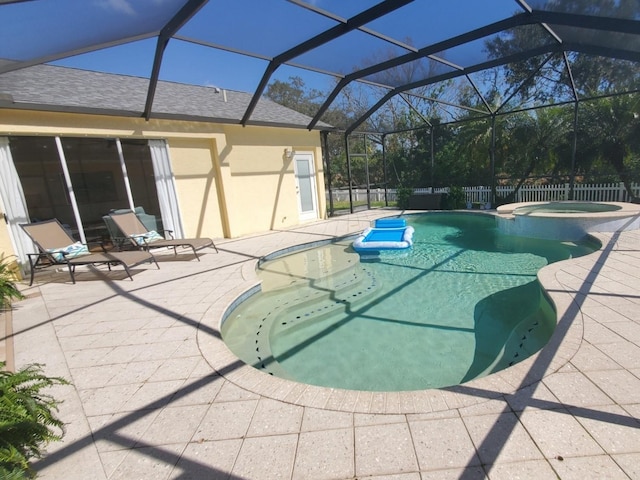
x,y
143,239
71,251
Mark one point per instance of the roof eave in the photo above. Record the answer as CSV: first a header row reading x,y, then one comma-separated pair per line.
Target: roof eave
x,y
8,104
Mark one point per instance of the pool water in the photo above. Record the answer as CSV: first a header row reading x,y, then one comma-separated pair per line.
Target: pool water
x,y
462,303
567,207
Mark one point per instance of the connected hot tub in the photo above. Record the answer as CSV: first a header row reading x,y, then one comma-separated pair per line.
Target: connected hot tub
x,y
567,220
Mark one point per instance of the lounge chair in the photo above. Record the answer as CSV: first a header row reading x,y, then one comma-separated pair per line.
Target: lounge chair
x,y
141,238
119,239
57,247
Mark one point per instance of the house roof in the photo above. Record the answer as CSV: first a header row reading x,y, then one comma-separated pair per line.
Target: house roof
x,y
53,88
396,49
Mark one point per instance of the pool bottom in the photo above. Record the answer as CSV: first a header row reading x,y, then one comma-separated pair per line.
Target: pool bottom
x,y
241,377
344,341
433,342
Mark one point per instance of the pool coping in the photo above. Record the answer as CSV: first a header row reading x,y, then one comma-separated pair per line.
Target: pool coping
x,y
562,346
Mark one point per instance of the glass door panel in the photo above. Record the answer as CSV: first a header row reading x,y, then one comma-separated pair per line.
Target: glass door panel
x,y
305,186
98,182
137,159
38,165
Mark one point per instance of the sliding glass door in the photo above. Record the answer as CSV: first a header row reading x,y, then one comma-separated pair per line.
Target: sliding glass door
x,y
102,175
141,177
40,174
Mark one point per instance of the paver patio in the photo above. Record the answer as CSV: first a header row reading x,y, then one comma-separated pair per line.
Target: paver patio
x,y
156,394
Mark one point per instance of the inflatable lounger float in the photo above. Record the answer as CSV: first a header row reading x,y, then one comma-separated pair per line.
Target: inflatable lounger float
x,y
386,234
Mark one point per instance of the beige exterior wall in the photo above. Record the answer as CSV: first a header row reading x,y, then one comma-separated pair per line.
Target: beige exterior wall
x,y
230,180
6,249
260,183
193,163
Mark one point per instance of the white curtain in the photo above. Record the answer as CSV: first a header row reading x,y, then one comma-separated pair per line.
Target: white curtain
x,y
14,204
165,185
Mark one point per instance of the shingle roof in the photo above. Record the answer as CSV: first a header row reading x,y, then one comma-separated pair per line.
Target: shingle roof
x,y
52,88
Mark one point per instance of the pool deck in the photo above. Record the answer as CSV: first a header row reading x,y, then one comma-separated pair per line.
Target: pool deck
x,y
156,395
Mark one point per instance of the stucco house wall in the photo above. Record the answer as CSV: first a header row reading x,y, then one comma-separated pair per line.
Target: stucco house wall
x,y
230,180
261,187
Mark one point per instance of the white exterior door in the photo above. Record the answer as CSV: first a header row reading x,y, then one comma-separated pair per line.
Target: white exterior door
x,y
306,186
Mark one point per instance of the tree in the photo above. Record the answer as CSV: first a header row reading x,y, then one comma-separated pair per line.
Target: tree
x,y
294,95
607,127
611,127
593,75
528,145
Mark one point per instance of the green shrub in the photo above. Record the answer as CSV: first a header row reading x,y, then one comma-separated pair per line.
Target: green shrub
x,y
27,420
8,289
455,199
402,196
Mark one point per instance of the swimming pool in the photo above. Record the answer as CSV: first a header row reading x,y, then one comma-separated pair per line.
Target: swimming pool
x,y
567,220
566,207
462,303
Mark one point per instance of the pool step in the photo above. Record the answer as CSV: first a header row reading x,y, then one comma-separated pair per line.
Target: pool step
x,y
528,337
303,294
322,304
310,303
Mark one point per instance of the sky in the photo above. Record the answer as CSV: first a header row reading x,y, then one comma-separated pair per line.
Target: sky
x,y
263,27
189,63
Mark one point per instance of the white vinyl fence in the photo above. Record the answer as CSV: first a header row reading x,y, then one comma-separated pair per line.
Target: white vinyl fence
x,y
607,192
